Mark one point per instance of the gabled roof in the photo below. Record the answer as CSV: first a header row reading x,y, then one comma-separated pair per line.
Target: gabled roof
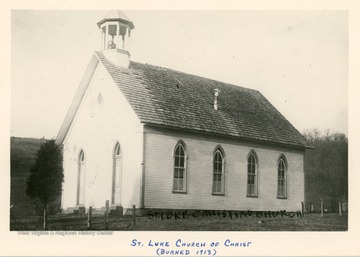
x,y
174,99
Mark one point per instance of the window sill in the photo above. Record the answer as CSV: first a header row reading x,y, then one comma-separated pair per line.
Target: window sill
x,y
179,192
252,196
282,197
218,194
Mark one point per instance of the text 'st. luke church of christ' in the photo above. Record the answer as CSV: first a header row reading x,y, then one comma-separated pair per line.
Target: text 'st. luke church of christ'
x,y
157,138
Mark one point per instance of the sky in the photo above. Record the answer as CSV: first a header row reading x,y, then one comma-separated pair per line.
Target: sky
x,y
297,59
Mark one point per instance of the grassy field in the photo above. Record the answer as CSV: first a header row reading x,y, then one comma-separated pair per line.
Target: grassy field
x,y
311,222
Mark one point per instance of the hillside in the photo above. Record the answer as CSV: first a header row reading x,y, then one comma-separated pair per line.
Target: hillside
x,y
326,170
23,153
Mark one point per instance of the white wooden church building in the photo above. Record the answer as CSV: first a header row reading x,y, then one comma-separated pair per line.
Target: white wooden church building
x,y
157,138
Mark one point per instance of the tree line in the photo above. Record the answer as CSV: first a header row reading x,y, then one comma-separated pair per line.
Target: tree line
x,y
326,169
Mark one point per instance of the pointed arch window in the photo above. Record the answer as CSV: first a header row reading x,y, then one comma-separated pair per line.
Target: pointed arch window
x,y
179,182
282,176
252,171
117,175
80,195
218,172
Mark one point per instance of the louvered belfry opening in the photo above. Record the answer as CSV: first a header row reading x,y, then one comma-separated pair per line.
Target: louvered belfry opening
x,y
115,37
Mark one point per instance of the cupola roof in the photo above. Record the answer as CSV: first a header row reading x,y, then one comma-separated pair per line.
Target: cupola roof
x,y
117,16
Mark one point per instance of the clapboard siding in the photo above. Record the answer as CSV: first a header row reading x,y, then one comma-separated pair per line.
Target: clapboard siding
x,y
160,145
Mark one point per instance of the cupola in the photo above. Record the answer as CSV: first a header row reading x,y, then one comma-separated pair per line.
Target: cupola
x,y
115,37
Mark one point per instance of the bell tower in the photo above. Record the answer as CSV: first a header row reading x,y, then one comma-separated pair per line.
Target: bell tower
x,y
115,37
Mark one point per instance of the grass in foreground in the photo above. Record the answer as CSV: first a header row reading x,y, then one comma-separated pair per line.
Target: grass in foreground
x,y
311,222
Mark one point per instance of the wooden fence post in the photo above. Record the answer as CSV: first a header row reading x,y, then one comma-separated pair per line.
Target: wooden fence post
x,y
133,216
340,208
89,218
302,209
45,219
106,214
322,208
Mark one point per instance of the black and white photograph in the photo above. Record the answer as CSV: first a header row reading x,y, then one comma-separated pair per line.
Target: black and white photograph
x,y
146,125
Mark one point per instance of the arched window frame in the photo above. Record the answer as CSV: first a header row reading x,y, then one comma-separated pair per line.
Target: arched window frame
x,y
81,165
117,155
216,175
117,150
180,169
252,170
282,167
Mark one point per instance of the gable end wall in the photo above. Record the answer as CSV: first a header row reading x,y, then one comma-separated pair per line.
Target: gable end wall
x,y
96,129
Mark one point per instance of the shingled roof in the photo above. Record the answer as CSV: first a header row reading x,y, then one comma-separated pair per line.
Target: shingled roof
x,y
175,99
